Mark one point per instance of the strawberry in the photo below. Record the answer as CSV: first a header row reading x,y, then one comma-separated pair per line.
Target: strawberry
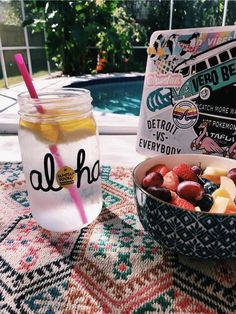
x,y
185,172
171,181
160,168
173,195
182,203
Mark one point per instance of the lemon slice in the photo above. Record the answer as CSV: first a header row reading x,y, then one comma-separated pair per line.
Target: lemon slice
x,y
64,130
78,125
30,125
49,132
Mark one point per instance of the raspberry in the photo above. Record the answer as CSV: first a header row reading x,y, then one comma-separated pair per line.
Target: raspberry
x,y
185,172
182,203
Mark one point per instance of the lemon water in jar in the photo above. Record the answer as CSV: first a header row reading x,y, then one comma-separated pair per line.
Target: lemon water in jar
x,y
60,154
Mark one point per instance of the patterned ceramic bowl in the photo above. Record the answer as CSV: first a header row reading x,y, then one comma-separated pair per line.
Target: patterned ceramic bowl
x,y
196,234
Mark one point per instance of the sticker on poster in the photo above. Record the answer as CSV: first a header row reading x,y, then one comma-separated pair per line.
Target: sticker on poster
x,y
190,84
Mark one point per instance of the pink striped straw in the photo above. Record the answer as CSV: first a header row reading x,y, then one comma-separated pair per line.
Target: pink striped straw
x,y
74,193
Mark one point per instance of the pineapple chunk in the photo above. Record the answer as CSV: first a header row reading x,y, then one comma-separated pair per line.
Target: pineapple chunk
x,y
215,171
221,191
215,179
229,186
231,208
220,205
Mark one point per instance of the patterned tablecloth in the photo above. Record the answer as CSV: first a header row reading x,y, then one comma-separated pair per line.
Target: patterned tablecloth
x,y
112,266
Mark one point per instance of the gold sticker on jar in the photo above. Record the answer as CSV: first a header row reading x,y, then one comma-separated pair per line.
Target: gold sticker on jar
x,y
65,177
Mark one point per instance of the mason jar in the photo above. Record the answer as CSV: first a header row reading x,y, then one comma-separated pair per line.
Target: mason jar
x,y
59,145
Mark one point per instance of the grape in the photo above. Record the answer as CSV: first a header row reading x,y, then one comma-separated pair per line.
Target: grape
x,y
206,202
153,179
197,169
190,191
232,174
210,187
161,193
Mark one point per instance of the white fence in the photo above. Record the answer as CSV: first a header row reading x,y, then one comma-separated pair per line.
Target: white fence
x,y
27,47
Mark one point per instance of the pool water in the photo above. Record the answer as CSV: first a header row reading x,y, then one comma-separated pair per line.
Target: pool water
x,y
117,97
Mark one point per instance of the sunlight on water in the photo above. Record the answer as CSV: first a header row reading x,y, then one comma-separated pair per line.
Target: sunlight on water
x,y
119,98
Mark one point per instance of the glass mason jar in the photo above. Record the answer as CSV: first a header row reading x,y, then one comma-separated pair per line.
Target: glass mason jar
x,y
60,154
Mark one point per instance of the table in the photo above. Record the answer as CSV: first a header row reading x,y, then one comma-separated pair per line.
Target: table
x,y
115,149
112,266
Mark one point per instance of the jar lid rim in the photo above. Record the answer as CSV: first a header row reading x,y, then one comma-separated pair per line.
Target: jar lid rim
x,y
47,95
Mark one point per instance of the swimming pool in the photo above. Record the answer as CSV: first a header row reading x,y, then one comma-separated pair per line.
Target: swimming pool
x,y
115,95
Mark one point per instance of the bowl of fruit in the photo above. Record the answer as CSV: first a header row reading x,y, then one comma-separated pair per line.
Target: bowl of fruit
x,y
187,203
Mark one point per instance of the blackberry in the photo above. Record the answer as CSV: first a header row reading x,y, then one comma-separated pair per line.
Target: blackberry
x,y
206,202
202,181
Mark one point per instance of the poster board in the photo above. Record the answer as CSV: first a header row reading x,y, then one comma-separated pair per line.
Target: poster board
x,y
189,95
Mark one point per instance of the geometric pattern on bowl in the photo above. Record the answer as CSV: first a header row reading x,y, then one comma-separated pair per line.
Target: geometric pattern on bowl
x,y
189,233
